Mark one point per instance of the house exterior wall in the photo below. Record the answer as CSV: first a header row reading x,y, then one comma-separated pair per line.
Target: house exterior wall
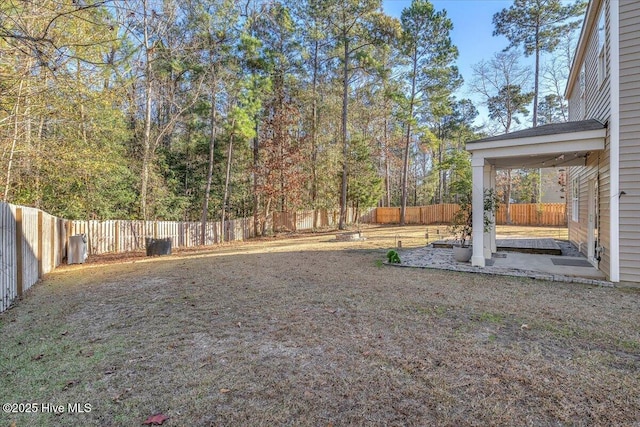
x,y
596,104
629,140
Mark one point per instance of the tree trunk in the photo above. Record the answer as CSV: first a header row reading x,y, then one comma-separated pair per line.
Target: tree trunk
x,y
226,184
345,148
147,149
267,210
405,165
256,197
440,172
314,136
14,141
282,138
537,78
387,166
405,171
212,146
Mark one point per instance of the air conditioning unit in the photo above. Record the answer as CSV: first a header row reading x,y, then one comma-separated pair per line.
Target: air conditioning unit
x,y
158,246
77,252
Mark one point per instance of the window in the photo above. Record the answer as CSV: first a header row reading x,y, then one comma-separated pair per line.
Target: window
x,y
583,92
602,65
575,199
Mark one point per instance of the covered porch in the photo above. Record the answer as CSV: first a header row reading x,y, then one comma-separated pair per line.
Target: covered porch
x,y
554,145
522,260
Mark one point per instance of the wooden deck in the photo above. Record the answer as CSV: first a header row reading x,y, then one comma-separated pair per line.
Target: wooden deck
x,y
528,246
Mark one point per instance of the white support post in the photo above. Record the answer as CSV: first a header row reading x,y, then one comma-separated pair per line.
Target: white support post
x,y
486,183
477,166
492,185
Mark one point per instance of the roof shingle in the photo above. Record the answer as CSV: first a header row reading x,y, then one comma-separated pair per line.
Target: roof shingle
x,y
551,129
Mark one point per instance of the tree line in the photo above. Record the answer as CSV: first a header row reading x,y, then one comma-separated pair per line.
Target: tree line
x,y
216,109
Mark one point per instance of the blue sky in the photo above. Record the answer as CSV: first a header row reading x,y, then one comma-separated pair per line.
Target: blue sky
x,y
472,32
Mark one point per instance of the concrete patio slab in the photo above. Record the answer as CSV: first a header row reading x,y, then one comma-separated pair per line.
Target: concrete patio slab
x,y
517,264
544,264
531,246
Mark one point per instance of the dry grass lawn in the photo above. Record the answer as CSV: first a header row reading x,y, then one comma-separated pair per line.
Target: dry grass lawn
x,y
308,331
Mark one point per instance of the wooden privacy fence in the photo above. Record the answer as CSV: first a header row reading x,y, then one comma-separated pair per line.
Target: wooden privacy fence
x,y
319,218
549,214
33,243
432,214
115,236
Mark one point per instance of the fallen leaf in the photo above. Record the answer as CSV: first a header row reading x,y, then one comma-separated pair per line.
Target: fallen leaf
x,y
156,420
524,326
225,390
70,384
119,396
38,357
64,333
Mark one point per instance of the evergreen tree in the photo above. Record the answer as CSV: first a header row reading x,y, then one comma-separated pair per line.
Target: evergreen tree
x,y
355,26
426,43
537,26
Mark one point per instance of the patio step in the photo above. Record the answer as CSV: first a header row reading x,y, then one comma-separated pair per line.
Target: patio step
x,y
543,246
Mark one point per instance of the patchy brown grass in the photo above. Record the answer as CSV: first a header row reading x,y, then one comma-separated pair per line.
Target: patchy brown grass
x,y
309,331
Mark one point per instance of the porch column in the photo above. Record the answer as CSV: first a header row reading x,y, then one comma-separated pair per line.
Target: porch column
x,y
492,185
487,234
477,166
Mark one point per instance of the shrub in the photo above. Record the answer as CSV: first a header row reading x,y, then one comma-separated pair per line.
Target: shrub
x,y
393,257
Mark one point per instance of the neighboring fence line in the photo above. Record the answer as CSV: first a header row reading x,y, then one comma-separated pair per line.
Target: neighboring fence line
x,y
319,218
433,214
33,243
547,214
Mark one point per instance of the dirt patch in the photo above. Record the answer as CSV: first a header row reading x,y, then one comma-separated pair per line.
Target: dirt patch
x,y
310,331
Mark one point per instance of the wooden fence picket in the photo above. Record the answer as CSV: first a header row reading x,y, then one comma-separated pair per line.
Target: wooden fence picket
x,y
543,214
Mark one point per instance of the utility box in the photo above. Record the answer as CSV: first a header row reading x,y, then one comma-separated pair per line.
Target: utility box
x,y
158,246
77,252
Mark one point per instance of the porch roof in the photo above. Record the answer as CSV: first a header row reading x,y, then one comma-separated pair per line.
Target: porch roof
x,y
553,145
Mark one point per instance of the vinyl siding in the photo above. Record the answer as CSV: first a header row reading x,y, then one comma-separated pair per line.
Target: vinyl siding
x,y
598,102
578,230
597,167
575,109
604,206
629,140
597,105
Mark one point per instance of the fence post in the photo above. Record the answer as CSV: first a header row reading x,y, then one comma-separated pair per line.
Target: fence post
x,y
52,228
62,235
40,244
19,260
116,236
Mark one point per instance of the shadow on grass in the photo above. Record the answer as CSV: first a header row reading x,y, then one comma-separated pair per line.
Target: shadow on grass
x,y
315,337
